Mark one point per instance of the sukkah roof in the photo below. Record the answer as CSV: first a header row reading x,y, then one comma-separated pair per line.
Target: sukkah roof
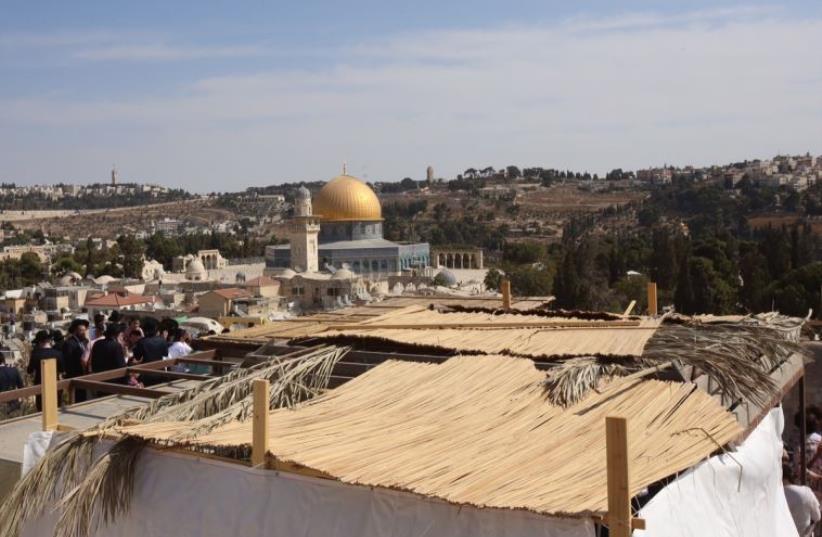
x,y
479,430
532,336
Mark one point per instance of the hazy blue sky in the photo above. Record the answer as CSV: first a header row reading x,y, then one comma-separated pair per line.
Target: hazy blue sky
x,y
234,94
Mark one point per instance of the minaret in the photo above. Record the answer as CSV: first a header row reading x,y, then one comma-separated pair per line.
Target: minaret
x,y
303,233
113,176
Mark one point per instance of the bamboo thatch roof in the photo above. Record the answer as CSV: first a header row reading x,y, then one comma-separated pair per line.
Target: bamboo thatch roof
x,y
533,336
479,430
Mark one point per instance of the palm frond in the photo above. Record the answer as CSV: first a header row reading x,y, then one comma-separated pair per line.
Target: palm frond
x,y
102,488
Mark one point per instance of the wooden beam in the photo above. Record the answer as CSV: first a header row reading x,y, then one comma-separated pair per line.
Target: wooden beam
x,y
259,442
505,286
558,325
48,374
652,305
630,308
37,389
119,389
619,518
65,384
189,360
173,375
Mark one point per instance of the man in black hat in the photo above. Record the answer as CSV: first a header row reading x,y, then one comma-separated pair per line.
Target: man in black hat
x,y
43,351
75,349
108,353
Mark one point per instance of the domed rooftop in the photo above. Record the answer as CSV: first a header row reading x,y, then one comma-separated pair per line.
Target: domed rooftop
x,y
196,269
346,198
446,277
343,274
284,273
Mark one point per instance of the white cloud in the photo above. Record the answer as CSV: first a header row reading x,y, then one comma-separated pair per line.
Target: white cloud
x,y
584,94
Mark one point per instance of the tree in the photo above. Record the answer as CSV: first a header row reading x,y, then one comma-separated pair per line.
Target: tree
x,y
513,172
702,290
132,252
408,184
529,281
31,269
493,279
633,287
567,282
522,252
648,216
663,259
64,265
684,300
754,274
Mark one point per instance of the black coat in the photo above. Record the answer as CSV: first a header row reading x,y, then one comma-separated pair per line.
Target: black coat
x,y
10,378
151,349
43,353
107,354
73,351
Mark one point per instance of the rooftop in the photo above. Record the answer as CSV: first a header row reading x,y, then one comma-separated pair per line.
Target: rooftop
x,y
114,300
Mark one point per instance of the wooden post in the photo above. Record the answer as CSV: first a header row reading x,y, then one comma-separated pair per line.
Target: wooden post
x,y
48,393
652,307
619,493
630,308
803,433
259,445
506,293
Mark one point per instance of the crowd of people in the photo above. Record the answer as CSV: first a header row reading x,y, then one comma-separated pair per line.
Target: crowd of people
x,y
107,343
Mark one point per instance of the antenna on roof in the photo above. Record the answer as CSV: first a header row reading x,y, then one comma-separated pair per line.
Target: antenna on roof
x,y
344,168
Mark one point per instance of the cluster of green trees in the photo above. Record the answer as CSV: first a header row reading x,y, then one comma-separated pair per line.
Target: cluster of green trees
x,y
16,273
715,263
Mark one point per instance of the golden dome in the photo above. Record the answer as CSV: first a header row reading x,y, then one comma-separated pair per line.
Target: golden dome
x,y
346,198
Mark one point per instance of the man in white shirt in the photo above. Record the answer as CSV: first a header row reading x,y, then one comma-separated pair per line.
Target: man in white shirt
x,y
801,501
180,348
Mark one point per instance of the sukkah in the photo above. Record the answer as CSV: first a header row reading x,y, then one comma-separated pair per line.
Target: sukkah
x,y
484,429
478,430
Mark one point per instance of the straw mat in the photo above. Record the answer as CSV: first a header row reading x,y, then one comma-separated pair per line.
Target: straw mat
x,y
478,430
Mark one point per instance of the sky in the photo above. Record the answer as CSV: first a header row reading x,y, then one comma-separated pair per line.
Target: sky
x,y
220,96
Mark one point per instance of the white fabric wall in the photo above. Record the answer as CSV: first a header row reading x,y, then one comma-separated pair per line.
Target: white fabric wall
x,y
718,498
178,495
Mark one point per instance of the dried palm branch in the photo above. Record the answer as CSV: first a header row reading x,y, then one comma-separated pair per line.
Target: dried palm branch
x,y
103,487
109,486
573,379
739,357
